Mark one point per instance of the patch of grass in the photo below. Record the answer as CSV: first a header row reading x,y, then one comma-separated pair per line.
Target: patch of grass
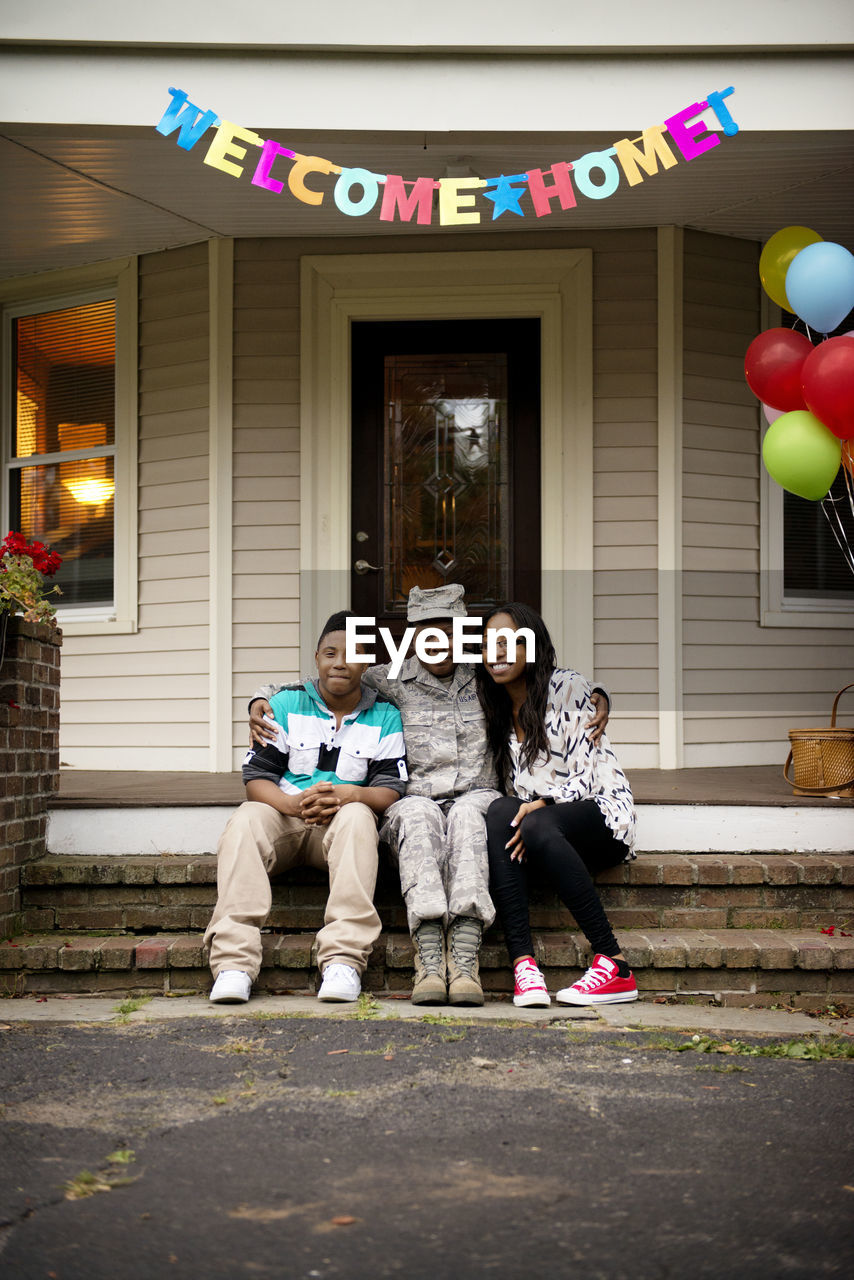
x,y
238,1046
805,1049
129,1006
340,1093
220,1100
454,1035
366,1008
443,1020
86,1183
378,1053
723,1070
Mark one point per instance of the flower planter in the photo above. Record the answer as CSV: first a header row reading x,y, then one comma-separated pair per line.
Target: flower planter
x,y
29,750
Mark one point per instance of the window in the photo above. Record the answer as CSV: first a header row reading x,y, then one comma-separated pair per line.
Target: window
x,y
61,471
70,430
814,563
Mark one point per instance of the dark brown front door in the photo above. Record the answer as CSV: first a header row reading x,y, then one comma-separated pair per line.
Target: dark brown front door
x,y
445,462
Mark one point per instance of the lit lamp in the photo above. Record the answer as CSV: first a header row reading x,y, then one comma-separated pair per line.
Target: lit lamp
x,y
89,484
86,479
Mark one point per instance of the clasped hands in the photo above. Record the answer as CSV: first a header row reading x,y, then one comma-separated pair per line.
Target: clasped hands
x,y
319,804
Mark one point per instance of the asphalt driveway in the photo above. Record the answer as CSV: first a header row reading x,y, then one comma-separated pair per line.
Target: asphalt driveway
x,y
352,1147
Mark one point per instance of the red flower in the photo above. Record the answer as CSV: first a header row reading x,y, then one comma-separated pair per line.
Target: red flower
x,y
830,930
45,561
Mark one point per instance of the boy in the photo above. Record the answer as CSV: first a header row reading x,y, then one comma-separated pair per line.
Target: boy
x,y
313,797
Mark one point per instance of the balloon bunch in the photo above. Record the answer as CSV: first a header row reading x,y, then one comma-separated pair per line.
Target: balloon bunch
x,y
807,391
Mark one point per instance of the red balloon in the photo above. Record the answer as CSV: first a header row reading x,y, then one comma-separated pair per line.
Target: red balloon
x,y
773,366
827,380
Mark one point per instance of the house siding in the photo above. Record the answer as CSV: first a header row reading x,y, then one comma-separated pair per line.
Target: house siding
x,y
141,701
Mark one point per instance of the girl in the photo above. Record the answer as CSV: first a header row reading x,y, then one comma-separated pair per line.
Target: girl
x,y
568,812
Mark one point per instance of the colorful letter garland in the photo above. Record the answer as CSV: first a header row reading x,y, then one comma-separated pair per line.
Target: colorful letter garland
x,y
356,191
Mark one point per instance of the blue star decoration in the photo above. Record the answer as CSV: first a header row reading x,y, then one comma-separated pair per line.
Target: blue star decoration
x,y
506,196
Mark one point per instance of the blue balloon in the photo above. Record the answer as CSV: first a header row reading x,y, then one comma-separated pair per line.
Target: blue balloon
x,y
820,285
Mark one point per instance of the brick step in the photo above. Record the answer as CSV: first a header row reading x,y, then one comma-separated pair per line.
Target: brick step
x,y
730,966
656,891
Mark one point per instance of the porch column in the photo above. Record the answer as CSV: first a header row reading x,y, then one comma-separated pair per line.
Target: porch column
x,y
670,260
220,482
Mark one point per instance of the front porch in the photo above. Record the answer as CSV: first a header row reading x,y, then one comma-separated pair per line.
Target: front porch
x,y
742,894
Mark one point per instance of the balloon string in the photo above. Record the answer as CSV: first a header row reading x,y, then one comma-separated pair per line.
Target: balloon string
x,y
828,506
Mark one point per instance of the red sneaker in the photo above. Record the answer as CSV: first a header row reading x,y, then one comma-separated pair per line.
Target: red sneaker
x,y
601,984
530,985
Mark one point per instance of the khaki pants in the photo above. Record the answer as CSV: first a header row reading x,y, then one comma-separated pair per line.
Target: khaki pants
x,y
259,842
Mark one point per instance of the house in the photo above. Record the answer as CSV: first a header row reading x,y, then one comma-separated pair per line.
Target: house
x,y
234,248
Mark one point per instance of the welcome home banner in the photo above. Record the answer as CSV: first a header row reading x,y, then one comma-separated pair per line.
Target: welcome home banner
x,y
357,191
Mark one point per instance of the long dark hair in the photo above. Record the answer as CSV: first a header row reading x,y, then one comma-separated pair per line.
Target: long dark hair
x,y
495,700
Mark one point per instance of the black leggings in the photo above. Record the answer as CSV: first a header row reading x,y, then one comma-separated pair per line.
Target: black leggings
x,y
565,844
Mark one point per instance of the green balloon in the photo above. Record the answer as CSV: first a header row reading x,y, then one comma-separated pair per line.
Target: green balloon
x,y
801,454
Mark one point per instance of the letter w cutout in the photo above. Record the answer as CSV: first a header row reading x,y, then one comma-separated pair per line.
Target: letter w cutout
x,y
186,117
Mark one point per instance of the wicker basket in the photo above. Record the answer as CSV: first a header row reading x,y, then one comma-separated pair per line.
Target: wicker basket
x,y
823,759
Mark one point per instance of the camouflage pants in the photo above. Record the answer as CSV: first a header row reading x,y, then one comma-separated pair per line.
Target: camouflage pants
x,y
440,849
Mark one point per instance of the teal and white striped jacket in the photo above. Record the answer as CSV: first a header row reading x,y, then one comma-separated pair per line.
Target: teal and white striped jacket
x,y
367,750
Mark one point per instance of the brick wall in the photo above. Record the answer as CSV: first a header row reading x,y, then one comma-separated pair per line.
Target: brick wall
x,y
29,753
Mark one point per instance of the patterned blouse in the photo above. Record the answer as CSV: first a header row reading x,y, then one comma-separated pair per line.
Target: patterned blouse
x,y
575,769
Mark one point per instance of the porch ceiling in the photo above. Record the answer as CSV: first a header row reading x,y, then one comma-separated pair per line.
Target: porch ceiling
x,y
75,195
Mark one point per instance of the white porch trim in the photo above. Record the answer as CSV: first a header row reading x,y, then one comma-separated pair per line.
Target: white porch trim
x,y
686,828
554,285
220,481
670,277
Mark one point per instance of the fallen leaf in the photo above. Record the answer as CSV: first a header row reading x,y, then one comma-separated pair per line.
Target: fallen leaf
x,y
389,1057
710,1086
343,1220
332,1052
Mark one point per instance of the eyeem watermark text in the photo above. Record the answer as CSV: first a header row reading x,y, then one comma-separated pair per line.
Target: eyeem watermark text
x,y
432,645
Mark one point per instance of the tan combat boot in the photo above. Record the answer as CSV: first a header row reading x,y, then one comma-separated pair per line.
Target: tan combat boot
x,y
431,984
464,935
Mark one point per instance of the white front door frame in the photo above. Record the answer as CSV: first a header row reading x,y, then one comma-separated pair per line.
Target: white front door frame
x,y
554,285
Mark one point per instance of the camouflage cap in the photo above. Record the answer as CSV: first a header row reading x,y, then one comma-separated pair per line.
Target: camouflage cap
x,y
436,602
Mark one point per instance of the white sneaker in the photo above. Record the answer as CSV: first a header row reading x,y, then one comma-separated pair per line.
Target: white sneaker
x,y
231,987
340,982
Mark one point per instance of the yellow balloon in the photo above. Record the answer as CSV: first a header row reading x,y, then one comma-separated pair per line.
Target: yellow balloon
x,y
777,255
